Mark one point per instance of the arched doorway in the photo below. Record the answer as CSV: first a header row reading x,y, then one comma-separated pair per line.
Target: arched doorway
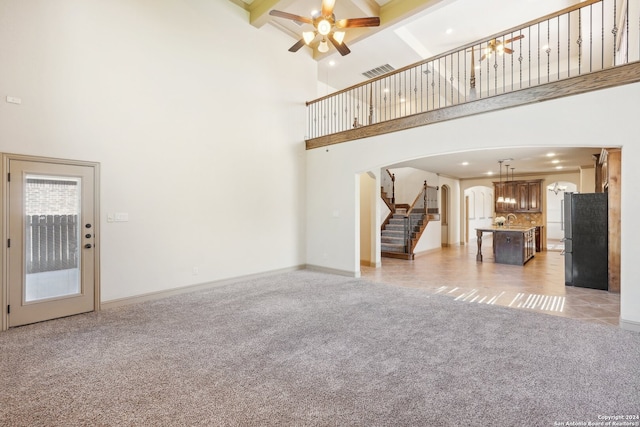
x,y
478,210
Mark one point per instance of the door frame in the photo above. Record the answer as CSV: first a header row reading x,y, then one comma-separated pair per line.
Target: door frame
x,y
4,231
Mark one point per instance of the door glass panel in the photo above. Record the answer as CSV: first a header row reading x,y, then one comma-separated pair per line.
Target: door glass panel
x,y
52,237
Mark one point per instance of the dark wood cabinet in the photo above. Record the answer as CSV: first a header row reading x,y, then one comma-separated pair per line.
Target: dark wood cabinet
x,y
514,247
535,196
527,194
538,238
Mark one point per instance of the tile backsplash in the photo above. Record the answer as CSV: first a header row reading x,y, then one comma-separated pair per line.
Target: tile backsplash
x,y
524,219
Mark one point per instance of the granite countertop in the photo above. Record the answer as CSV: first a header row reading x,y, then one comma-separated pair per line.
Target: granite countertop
x,y
513,228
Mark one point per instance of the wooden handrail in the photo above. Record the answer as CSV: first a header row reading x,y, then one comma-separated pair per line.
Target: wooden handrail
x,y
393,186
422,193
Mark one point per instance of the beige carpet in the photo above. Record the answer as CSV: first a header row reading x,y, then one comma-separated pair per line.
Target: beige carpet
x,y
309,349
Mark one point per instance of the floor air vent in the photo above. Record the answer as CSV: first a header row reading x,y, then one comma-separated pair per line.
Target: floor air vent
x,y
378,71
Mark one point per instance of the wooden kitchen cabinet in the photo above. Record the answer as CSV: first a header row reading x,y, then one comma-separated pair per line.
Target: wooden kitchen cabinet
x,y
528,196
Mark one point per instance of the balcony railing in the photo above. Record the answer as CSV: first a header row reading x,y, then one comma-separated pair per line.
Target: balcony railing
x,y
591,36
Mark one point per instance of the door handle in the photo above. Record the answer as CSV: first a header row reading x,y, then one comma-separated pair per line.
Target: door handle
x,y
87,246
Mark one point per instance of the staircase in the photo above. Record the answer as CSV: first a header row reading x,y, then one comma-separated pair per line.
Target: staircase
x,y
402,229
395,242
392,236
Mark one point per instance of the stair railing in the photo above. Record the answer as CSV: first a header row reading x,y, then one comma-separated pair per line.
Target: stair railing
x,y
425,202
418,204
389,187
590,36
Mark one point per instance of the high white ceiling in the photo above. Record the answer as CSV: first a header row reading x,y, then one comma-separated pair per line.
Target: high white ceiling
x,y
425,29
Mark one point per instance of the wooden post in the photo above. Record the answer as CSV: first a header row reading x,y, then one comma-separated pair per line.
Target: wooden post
x,y
614,163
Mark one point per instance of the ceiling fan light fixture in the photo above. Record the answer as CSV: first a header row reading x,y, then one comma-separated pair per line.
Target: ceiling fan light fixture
x,y
308,36
324,27
323,46
339,36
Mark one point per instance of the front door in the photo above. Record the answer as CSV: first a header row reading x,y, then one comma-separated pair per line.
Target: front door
x,y
52,236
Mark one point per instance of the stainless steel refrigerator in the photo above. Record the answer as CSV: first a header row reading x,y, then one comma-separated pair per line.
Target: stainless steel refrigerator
x,y
586,240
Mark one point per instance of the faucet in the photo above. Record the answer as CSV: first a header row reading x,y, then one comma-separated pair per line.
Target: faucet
x,y
510,215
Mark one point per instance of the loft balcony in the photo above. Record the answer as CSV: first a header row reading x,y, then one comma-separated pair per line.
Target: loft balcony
x,y
585,47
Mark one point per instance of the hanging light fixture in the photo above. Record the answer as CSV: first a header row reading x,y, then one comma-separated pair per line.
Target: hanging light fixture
x,y
324,27
513,199
500,198
338,36
308,36
510,200
323,46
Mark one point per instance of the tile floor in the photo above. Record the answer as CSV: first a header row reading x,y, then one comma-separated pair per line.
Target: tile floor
x,y
536,286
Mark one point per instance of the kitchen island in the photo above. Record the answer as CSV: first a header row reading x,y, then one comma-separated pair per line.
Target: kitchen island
x,y
511,245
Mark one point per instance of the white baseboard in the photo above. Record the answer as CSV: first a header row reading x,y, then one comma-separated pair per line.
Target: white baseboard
x,y
630,325
425,252
105,305
332,271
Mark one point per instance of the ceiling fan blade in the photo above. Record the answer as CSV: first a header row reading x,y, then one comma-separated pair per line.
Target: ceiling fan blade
x,y
507,50
521,36
327,7
291,16
340,47
296,47
358,22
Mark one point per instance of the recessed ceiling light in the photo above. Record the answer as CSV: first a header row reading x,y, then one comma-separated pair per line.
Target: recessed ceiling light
x,y
555,161
449,30
332,63
558,167
465,163
551,154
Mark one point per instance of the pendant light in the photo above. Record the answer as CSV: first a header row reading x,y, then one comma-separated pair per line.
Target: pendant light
x,y
500,198
323,46
513,199
508,198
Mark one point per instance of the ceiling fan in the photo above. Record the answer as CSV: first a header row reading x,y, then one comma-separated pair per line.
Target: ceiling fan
x,y
327,27
497,46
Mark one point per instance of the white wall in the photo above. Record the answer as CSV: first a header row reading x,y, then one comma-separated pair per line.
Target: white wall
x,y
572,121
195,116
409,183
369,225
